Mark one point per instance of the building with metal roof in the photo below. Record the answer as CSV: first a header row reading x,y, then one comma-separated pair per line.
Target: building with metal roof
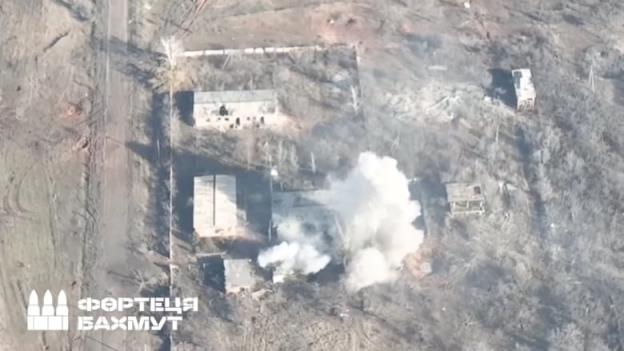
x,y
215,208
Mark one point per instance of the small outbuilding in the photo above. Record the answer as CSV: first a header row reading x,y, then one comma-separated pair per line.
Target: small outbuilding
x,y
223,110
239,275
524,88
465,198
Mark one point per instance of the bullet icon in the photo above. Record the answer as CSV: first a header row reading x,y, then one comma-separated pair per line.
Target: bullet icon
x,y
47,317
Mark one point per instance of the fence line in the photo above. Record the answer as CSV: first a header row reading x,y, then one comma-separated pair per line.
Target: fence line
x,y
259,50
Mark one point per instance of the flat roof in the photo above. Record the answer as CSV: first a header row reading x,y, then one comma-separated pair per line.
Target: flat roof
x,y
523,83
212,97
215,210
239,274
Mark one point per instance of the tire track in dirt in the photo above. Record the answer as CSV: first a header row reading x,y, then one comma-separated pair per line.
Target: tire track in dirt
x,y
41,191
11,200
51,200
540,221
25,259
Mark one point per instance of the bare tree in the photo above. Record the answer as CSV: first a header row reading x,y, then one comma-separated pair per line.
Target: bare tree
x,y
172,48
169,75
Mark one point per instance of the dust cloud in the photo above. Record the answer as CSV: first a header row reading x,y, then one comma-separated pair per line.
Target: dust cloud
x,y
374,214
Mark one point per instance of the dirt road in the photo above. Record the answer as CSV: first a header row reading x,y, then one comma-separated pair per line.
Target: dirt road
x,y
112,273
115,171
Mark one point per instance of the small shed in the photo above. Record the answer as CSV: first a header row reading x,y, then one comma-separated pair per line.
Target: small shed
x,y
239,275
465,198
524,88
225,110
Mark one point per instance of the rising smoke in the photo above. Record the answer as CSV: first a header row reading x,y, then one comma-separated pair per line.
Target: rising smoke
x,y
299,251
376,233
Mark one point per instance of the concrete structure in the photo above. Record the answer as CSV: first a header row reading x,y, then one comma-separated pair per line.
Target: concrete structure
x,y
311,208
524,88
215,209
465,198
239,275
254,51
225,110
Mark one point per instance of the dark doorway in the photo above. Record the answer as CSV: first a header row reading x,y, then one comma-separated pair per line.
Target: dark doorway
x,y
223,111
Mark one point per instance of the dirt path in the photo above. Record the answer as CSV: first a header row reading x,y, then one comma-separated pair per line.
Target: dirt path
x,y
120,270
113,170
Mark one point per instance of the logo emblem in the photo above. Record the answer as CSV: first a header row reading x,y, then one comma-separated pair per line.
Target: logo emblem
x,y
48,317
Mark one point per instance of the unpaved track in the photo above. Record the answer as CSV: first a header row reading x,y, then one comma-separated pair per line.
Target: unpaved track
x,y
113,171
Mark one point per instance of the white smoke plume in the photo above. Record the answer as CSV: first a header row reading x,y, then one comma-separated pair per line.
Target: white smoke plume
x,y
374,204
375,214
367,267
298,252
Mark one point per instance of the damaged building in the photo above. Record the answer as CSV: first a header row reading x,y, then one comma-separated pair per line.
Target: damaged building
x,y
311,208
465,198
524,89
224,110
239,275
227,274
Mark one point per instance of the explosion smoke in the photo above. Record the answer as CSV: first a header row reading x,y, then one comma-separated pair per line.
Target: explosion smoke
x,y
376,214
298,252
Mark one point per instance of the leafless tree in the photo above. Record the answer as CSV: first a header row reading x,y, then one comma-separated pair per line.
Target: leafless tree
x,y
172,48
